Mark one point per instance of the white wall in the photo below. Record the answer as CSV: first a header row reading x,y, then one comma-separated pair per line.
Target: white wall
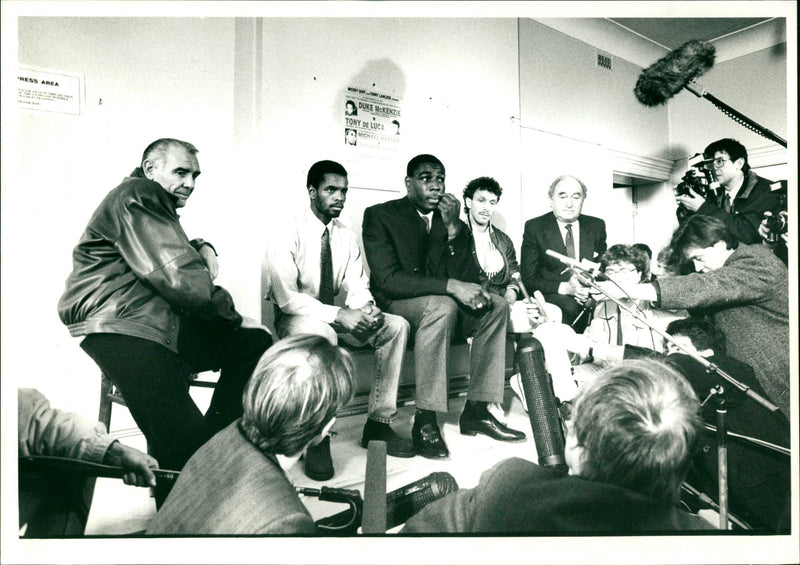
x,y
156,77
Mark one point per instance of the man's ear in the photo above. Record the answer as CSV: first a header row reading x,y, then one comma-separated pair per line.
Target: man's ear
x,y
312,191
739,163
407,182
147,167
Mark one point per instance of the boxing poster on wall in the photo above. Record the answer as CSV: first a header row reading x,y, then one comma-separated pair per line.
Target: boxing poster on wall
x,y
371,122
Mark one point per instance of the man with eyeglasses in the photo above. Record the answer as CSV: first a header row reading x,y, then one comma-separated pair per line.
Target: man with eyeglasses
x,y
745,196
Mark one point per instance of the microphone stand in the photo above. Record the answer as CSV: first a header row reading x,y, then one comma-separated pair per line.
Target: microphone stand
x,y
710,367
722,453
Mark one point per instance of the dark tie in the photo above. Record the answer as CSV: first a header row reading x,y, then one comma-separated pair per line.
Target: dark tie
x,y
726,202
619,326
325,269
427,221
569,242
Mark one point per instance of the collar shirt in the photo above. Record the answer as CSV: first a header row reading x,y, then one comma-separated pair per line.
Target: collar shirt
x,y
427,218
294,263
609,319
576,237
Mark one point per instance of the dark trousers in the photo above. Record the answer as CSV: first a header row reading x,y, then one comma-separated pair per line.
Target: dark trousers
x,y
155,383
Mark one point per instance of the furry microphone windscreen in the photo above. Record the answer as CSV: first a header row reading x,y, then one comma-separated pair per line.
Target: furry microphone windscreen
x,y
667,76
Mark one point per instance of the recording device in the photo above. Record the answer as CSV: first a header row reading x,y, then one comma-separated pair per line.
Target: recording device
x,y
584,266
545,419
537,300
777,219
666,77
680,69
404,502
701,179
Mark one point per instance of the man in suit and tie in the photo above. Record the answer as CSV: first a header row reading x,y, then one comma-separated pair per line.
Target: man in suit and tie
x,y
415,246
564,230
309,265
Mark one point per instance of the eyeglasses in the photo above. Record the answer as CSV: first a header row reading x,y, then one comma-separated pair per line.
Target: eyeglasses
x,y
718,163
619,270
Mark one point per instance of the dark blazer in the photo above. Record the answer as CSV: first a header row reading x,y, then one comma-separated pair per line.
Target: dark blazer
x,y
542,272
517,496
404,260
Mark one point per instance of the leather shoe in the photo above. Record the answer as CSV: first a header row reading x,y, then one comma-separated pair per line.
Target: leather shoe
x,y
396,446
428,440
488,425
318,464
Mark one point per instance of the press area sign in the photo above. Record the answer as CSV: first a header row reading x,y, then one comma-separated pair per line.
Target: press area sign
x,y
49,91
372,120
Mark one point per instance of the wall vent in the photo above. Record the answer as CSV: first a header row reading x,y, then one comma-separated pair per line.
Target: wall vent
x,y
604,61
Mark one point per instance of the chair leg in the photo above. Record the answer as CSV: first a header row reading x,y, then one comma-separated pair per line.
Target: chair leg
x,y
106,387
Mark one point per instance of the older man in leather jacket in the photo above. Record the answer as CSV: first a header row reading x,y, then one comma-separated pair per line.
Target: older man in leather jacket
x,y
143,295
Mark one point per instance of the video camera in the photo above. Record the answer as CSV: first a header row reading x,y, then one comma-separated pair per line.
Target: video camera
x,y
777,222
701,179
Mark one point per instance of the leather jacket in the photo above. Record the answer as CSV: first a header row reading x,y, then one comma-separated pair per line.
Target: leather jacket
x,y
136,273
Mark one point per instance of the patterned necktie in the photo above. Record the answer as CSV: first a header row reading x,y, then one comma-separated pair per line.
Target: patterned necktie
x,y
325,269
569,242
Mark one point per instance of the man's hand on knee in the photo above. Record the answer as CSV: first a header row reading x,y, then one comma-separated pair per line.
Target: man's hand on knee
x,y
471,295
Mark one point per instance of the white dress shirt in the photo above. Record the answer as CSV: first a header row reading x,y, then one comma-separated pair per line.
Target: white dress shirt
x,y
295,268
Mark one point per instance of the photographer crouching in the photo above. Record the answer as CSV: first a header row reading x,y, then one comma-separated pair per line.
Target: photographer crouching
x,y
742,196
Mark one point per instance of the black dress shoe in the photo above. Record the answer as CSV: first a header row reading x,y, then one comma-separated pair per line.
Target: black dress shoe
x,y
484,423
428,440
318,464
396,446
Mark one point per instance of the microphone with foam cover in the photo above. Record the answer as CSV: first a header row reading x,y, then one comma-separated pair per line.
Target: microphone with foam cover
x,y
542,410
679,69
666,77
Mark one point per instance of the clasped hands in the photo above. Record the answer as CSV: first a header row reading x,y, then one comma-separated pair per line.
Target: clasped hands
x,y
360,322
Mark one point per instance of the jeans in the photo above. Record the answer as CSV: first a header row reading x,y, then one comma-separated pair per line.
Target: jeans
x,y
389,342
434,320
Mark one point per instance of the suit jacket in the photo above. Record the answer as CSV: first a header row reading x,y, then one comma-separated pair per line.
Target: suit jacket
x,y
405,261
229,487
519,497
542,272
748,299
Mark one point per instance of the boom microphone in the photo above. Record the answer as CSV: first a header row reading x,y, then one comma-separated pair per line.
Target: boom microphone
x,y
666,77
542,410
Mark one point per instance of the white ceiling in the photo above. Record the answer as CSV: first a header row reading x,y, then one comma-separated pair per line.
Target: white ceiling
x,y
671,33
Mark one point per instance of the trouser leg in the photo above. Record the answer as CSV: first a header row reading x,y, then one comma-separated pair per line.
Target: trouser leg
x,y
154,382
433,321
488,352
390,343
235,353
287,325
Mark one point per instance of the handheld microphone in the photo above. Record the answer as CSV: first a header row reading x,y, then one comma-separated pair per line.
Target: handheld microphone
x,y
538,299
542,410
406,501
666,77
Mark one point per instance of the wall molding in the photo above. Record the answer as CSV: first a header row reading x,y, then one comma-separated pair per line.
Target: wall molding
x,y
651,168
